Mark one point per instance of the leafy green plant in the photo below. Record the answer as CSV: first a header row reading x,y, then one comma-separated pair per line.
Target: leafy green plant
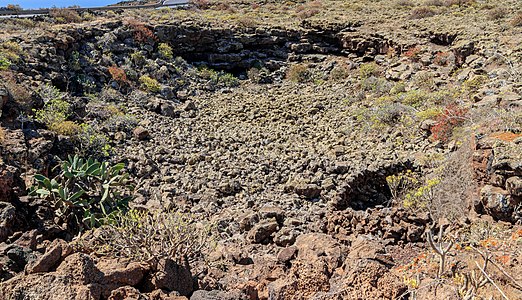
x,y
86,193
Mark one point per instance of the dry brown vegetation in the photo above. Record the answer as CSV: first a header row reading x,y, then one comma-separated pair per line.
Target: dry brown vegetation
x,y
64,15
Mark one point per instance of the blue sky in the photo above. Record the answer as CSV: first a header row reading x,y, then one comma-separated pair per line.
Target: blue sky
x,y
58,3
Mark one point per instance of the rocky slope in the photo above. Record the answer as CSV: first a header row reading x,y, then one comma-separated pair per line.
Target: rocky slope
x,y
345,140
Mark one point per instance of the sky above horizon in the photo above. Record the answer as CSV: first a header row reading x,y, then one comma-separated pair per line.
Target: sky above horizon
x,y
27,4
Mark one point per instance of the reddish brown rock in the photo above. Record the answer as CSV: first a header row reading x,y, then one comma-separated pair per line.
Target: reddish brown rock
x,y
141,133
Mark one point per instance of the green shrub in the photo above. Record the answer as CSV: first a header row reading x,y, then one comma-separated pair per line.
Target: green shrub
x,y
475,83
86,193
54,111
49,92
11,50
429,114
4,63
68,128
216,78
368,69
150,84
165,51
225,79
376,85
415,98
93,143
137,57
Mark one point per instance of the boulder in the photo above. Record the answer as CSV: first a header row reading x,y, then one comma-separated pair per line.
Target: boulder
x,y
514,185
170,276
262,232
141,133
56,251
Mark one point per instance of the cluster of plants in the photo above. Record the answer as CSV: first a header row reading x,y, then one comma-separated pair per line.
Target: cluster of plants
x,y
309,9
118,75
149,84
475,266
88,139
299,73
2,135
165,51
142,34
9,53
152,237
65,15
446,122
218,78
86,193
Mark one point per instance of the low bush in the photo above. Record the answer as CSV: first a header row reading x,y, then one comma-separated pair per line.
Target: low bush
x,y
431,113
11,50
2,135
415,98
368,69
516,20
64,15
475,83
447,121
118,74
422,12
442,58
4,63
299,73
54,111
376,85
86,193
153,236
309,9
137,57
218,79
19,92
424,80
340,72
142,34
165,51
92,143
150,84
120,122
413,53
67,128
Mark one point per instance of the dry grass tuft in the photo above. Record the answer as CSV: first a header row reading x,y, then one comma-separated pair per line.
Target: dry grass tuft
x,y
2,135
516,21
422,12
